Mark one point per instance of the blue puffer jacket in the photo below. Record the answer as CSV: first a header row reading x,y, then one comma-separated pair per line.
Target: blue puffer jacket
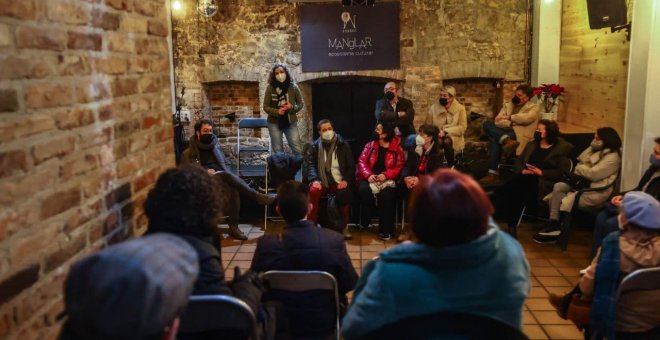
x,y
487,276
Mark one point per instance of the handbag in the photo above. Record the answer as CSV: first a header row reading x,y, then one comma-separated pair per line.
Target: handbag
x,y
579,311
577,182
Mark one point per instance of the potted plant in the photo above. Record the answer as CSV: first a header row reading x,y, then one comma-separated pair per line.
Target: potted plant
x,y
548,95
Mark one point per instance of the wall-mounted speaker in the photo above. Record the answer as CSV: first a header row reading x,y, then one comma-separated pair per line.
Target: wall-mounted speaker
x,y
607,13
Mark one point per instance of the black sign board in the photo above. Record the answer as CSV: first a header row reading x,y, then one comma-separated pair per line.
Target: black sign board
x,y
338,38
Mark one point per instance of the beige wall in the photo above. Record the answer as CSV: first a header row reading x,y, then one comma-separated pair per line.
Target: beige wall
x,y
85,129
593,69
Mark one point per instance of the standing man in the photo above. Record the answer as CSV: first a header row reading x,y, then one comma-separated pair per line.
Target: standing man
x,y
513,127
329,168
450,117
399,112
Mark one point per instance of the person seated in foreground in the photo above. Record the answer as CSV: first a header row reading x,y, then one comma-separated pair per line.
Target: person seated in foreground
x,y
598,165
512,129
450,117
460,262
427,158
544,162
205,151
379,167
304,246
635,246
329,168
136,289
606,221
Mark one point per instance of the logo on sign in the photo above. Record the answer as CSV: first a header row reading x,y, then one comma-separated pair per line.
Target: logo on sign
x,y
349,22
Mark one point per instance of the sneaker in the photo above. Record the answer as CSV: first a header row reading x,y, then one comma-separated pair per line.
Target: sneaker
x,y
560,303
490,179
509,148
384,236
547,236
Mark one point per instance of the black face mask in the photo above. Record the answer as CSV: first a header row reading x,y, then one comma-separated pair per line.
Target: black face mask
x,y
444,101
389,95
537,136
206,139
515,100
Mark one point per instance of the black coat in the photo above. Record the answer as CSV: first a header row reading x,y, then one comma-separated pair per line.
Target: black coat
x,y
303,246
653,188
344,158
555,166
211,278
386,114
191,154
434,162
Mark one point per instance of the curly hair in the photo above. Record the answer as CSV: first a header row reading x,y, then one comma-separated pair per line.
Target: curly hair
x,y
185,200
271,76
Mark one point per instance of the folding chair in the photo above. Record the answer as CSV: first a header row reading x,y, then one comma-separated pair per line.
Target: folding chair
x,y
207,314
253,170
301,281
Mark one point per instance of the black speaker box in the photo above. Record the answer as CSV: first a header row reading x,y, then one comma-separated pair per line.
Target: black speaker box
x,y
606,13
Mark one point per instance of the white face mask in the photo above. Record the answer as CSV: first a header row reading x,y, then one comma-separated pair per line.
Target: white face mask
x,y
328,135
281,77
419,140
618,220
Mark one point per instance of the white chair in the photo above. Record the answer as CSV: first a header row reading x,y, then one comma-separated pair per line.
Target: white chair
x,y
209,313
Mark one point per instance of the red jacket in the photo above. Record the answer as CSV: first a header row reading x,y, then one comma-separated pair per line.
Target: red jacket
x,y
394,160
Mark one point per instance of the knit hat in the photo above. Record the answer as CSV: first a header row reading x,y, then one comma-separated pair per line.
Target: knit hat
x,y
450,89
641,209
131,290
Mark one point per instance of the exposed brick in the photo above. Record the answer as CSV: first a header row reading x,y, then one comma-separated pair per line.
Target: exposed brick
x,y
141,103
165,133
139,65
23,9
118,195
41,38
127,128
150,121
105,20
133,24
78,166
73,65
93,137
28,185
60,202
120,4
130,166
160,65
150,46
55,147
147,8
12,161
5,323
14,67
124,87
48,95
67,251
92,92
157,28
111,65
67,13
8,100
145,180
73,118
139,142
5,37
84,41
121,43
23,249
18,282
149,84
53,315
18,126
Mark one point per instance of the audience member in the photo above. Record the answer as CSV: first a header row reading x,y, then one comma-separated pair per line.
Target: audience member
x,y
450,117
399,112
379,166
136,289
282,100
606,221
544,162
204,150
427,158
461,262
637,245
329,168
512,128
599,165
303,246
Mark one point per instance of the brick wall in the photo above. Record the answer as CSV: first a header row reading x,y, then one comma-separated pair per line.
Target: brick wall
x,y
85,129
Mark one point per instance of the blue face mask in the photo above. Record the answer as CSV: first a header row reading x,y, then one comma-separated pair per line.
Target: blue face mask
x,y
654,161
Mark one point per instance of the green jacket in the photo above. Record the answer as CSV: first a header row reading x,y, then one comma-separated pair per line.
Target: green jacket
x,y
270,103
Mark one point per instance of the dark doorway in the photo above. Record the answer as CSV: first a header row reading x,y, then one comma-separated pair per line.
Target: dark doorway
x,y
350,106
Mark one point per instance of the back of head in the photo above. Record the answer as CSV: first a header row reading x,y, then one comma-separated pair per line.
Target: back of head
x,y
185,200
449,208
641,210
132,290
292,201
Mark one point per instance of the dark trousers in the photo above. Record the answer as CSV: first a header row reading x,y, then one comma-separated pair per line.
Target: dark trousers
x,y
448,147
606,223
520,191
344,197
230,185
386,202
494,147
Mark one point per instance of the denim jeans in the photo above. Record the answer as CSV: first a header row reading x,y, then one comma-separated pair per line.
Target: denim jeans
x,y
606,222
495,148
292,137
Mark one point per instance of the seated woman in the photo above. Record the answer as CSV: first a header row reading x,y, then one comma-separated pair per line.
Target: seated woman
x,y
543,162
606,221
451,119
378,170
427,158
636,246
460,262
598,164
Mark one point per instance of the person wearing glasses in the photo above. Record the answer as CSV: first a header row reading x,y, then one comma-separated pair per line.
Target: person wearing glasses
x,y
399,112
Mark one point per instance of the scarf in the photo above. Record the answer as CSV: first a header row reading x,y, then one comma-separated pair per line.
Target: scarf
x,y
282,92
325,159
603,309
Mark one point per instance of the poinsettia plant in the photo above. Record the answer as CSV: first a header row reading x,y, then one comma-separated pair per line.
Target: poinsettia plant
x,y
549,95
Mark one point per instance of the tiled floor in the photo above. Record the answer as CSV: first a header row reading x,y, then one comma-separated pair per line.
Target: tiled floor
x,y
552,271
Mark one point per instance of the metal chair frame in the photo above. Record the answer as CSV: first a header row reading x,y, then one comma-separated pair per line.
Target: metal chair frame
x,y
230,311
253,123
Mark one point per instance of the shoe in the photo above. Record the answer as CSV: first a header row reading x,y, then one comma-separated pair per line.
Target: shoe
x,y
509,148
236,233
264,199
584,271
347,234
548,235
404,236
384,236
490,179
560,303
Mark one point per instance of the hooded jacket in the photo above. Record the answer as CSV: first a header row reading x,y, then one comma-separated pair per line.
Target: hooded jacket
x,y
487,276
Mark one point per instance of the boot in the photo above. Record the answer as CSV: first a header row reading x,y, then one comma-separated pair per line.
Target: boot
x,y
509,148
560,303
490,179
264,199
236,233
